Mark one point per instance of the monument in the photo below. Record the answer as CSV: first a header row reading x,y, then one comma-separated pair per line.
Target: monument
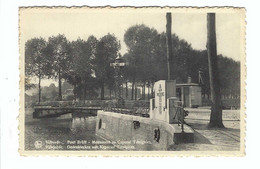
x,y
165,104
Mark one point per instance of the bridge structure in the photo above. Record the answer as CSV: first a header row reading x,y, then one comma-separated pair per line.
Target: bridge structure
x,y
88,108
49,112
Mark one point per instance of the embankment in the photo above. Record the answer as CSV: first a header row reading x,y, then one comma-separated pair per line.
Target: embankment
x,y
139,132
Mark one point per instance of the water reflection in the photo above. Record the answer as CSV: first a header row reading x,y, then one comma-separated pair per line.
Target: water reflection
x,y
83,124
68,132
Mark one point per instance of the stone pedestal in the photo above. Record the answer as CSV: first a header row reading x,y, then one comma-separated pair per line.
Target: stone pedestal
x,y
166,108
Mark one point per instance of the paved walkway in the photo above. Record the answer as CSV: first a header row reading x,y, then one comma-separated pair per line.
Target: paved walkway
x,y
227,139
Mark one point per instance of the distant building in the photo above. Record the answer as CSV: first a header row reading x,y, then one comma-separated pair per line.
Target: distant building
x,y
189,94
68,94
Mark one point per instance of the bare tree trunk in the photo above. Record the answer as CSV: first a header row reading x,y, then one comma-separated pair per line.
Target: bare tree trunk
x,y
144,92
74,92
80,92
84,92
126,90
148,92
216,108
171,65
39,85
102,91
115,93
60,95
110,94
133,89
152,93
135,92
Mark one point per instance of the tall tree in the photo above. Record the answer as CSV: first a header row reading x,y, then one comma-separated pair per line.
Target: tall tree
x,y
82,53
36,63
80,73
171,62
28,84
149,51
142,44
216,108
106,52
60,53
130,72
229,71
92,41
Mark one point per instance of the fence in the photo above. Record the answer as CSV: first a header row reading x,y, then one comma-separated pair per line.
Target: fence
x,y
132,107
136,108
226,103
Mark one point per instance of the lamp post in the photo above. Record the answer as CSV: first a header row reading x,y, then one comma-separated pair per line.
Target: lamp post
x,y
118,64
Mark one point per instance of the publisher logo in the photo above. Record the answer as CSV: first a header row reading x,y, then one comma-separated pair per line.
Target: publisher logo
x,y
38,144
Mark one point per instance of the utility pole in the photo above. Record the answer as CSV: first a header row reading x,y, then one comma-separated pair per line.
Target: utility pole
x,y
118,65
171,65
216,108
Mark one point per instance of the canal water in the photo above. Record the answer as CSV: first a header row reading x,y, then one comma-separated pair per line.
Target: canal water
x,y
63,133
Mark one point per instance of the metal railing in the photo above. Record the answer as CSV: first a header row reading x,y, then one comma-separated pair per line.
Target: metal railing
x,y
136,108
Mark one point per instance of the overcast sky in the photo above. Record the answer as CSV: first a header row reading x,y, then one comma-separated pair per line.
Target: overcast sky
x,y
82,23
75,23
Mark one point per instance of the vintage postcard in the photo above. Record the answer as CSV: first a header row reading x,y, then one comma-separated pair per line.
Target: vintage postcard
x,y
125,81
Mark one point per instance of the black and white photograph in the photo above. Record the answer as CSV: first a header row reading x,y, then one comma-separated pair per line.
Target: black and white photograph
x,y
155,81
